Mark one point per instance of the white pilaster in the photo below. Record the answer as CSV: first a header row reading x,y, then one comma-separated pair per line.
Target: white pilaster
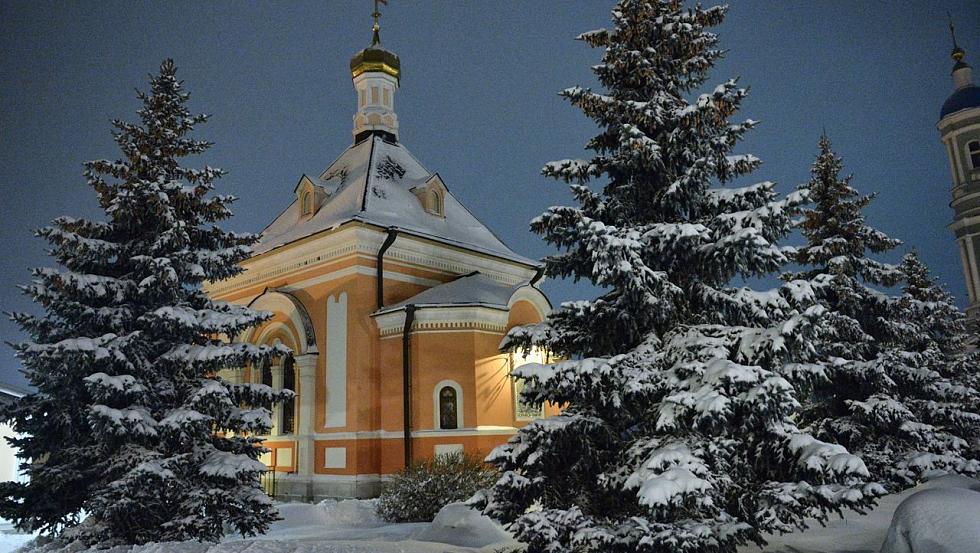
x,y
336,373
277,379
967,273
972,257
306,369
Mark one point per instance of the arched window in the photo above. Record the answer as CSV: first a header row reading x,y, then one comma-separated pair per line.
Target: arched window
x,y
266,373
973,149
435,202
288,406
307,203
448,403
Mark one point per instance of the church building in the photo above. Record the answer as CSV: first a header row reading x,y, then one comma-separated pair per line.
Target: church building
x,y
394,299
959,127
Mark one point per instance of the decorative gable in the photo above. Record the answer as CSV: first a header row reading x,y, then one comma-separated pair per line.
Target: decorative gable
x,y
432,196
310,196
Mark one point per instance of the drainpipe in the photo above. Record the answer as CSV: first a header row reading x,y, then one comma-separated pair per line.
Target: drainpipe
x,y
537,276
407,381
389,240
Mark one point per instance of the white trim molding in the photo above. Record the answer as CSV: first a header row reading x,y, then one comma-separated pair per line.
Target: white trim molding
x,y
398,435
363,240
444,318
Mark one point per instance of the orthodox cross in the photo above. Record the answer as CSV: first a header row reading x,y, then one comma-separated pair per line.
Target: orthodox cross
x,y
957,51
377,10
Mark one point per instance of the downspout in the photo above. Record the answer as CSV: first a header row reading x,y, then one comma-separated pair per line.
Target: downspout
x,y
537,276
407,381
380,288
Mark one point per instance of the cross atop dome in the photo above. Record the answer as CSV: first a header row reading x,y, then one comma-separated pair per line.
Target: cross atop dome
x,y
376,73
377,15
958,53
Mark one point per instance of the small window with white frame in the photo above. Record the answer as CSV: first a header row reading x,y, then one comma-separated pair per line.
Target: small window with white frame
x,y
447,408
447,405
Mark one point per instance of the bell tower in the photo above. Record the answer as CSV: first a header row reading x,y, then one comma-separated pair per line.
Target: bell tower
x,y
959,128
376,73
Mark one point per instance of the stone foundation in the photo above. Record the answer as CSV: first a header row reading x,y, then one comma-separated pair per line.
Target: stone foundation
x,y
292,487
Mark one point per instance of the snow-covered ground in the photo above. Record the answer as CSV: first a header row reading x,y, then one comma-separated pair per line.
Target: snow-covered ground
x,y
344,527
10,542
866,533
945,518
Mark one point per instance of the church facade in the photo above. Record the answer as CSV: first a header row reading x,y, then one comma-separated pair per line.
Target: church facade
x,y
394,299
959,128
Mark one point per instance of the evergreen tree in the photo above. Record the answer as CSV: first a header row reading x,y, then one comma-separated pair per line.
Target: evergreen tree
x,y
677,430
128,423
943,430
881,353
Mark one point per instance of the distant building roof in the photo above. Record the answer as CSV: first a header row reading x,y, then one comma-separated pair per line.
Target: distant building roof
x,y
12,380
9,393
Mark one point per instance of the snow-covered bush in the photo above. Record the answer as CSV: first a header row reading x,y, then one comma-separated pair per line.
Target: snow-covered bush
x,y
417,493
462,525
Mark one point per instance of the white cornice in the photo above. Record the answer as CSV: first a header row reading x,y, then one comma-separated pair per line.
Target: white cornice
x,y
445,318
361,241
956,117
964,222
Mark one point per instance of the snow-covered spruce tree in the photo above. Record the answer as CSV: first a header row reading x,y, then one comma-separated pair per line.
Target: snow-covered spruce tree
x,y
129,423
880,352
941,389
677,432
937,326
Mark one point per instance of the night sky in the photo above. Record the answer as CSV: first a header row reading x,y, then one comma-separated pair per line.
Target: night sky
x,y
478,103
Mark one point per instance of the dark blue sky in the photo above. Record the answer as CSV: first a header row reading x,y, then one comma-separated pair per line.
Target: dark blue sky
x,y
478,102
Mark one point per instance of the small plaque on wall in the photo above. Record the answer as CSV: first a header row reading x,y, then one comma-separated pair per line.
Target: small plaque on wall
x,y
446,449
335,458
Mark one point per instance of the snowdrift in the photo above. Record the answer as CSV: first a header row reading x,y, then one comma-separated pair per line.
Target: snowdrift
x,y
347,526
857,533
941,520
940,516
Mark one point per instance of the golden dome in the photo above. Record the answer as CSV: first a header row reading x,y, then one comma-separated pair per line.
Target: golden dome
x,y
375,58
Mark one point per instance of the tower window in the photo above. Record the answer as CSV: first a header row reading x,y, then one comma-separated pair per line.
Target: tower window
x,y
374,95
447,408
361,98
973,150
387,95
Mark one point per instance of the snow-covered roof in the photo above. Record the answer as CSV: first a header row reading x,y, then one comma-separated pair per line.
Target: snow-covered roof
x,y
372,182
471,289
9,392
